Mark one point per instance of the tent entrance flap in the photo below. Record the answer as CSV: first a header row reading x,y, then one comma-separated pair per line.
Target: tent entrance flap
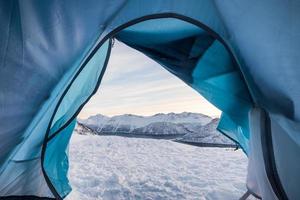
x,y
201,60
55,157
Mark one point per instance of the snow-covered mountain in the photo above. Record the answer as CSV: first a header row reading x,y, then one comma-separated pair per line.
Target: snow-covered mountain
x,y
129,122
84,130
209,134
187,127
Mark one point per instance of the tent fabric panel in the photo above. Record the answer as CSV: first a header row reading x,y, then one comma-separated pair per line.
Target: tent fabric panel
x,y
24,178
56,162
13,116
267,39
151,33
134,9
48,39
286,144
257,180
51,45
81,88
30,148
21,166
234,131
220,82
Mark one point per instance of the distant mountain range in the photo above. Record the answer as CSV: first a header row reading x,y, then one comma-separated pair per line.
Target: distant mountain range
x,y
185,127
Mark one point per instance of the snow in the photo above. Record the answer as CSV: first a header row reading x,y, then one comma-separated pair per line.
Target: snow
x,y
185,126
113,167
206,134
136,121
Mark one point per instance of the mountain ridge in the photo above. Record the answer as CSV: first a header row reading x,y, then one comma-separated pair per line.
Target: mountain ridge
x,y
184,127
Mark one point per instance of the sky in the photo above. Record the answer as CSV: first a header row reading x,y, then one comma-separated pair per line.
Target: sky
x,y
135,84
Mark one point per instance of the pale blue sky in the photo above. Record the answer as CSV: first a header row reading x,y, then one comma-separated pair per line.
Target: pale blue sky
x,y
135,84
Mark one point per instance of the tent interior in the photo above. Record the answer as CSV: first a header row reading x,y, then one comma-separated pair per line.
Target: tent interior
x,y
241,58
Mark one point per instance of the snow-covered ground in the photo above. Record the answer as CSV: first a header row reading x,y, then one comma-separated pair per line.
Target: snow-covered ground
x,y
113,167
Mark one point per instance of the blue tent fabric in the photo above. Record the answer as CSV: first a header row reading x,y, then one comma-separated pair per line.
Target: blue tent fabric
x,y
237,54
81,88
56,160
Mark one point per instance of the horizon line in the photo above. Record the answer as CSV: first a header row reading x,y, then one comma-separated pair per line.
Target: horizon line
x,y
163,113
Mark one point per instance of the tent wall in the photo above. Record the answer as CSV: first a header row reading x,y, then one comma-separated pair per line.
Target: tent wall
x,y
44,45
56,160
257,180
286,145
265,36
56,153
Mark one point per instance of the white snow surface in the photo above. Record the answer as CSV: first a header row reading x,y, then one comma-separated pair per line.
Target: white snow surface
x,y
120,168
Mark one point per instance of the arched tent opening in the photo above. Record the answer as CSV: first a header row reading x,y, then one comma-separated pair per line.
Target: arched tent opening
x,y
185,47
128,142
